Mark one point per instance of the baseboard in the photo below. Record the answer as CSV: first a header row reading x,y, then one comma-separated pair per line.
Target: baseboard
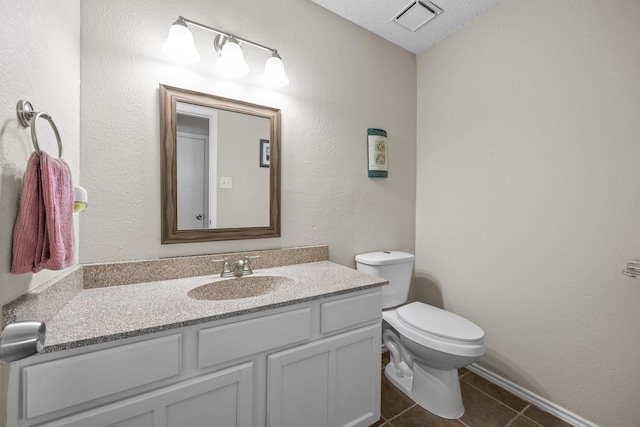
x,y
531,397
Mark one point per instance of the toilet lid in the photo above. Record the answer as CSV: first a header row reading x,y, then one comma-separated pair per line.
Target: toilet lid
x,y
435,321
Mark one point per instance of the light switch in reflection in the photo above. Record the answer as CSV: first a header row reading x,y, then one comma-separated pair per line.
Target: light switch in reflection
x,y
226,182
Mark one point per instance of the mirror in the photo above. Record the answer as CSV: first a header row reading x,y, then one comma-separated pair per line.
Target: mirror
x,y
220,168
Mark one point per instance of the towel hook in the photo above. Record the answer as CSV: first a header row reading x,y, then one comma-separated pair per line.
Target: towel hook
x,y
28,117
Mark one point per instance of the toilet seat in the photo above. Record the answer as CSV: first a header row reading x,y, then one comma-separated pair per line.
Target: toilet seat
x,y
472,347
441,323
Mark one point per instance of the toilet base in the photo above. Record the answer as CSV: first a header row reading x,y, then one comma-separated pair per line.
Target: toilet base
x,y
437,391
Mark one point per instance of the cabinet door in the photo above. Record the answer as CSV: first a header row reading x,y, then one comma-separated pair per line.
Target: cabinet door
x,y
331,382
224,399
62,384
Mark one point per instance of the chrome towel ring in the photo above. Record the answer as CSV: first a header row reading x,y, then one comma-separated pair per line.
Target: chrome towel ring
x,y
29,117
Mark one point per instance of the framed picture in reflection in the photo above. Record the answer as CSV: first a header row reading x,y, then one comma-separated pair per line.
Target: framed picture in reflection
x,y
264,153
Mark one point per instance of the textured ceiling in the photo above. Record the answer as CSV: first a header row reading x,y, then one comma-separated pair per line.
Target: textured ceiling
x,y
376,16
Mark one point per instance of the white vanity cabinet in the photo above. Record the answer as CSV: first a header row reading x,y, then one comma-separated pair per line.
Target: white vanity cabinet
x,y
315,363
333,381
330,382
222,398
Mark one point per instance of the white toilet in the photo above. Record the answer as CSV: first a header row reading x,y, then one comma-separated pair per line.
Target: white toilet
x,y
427,344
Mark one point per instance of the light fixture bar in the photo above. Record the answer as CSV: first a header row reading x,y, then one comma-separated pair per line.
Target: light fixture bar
x,y
225,34
180,47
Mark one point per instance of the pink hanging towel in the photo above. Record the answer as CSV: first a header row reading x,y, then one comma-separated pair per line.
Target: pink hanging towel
x,y
43,233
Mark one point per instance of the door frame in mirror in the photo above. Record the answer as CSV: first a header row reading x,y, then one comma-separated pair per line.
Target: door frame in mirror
x,y
169,96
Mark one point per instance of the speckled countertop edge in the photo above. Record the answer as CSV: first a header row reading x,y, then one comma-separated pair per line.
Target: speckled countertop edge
x,y
44,301
107,314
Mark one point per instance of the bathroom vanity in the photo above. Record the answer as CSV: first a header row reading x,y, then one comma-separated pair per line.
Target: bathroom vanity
x,y
308,358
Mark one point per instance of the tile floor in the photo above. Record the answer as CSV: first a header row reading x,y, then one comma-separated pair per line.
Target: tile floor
x,y
485,405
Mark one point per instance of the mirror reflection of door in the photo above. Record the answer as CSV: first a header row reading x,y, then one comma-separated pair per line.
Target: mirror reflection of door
x,y
192,177
196,159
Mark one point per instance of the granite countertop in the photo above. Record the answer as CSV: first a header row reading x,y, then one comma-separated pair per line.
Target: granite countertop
x,y
116,312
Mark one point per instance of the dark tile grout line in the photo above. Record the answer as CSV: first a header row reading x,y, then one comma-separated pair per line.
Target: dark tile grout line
x,y
397,415
521,413
518,414
386,421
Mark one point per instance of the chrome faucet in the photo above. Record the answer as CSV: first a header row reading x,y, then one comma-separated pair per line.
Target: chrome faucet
x,y
241,267
238,269
247,266
226,268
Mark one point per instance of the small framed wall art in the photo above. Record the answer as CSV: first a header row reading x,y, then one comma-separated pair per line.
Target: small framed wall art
x,y
377,151
264,153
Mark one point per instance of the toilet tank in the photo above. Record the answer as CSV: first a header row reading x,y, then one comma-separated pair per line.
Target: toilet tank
x,y
396,267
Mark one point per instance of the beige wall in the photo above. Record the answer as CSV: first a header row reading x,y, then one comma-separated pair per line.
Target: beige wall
x,y
343,80
528,196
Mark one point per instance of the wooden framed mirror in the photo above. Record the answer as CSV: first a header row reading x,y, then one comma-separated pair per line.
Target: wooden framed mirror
x,y
220,168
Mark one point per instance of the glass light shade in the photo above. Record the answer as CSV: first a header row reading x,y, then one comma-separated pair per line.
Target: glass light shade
x,y
231,62
179,45
274,74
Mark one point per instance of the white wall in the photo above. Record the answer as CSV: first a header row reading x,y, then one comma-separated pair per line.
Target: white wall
x,y
39,62
528,177
247,203
528,196
343,80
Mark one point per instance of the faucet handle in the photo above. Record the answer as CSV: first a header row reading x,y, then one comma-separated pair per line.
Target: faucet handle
x,y
226,268
247,267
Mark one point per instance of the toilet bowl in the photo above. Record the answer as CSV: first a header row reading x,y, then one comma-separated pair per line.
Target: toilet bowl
x,y
433,344
427,345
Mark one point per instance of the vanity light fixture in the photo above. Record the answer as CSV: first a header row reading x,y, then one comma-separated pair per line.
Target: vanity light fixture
x,y
180,47
231,62
274,74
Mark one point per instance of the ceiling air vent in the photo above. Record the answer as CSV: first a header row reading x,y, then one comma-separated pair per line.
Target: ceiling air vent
x,y
416,14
